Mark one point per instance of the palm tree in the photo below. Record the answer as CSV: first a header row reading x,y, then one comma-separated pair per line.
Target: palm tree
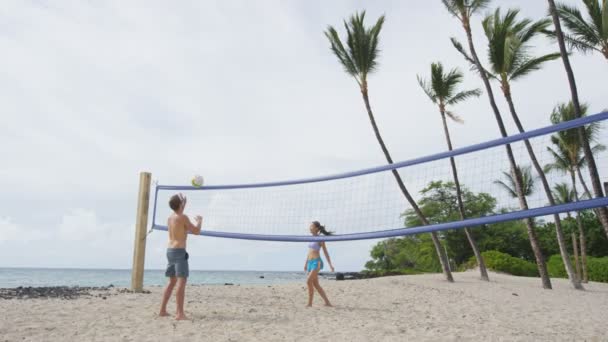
x,y
582,136
586,35
463,10
359,59
509,182
442,92
563,194
568,159
566,112
508,46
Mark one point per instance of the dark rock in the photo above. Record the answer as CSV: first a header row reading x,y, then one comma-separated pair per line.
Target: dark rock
x,y
261,277
339,276
63,292
226,284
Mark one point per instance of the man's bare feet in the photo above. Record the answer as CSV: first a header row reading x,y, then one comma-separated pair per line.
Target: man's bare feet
x,y
163,314
309,305
181,317
328,304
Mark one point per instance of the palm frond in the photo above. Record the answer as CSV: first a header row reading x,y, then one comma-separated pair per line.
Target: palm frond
x,y
458,46
464,9
508,44
453,8
427,89
450,81
464,95
359,54
563,193
605,19
573,43
576,24
454,117
525,175
509,188
535,28
532,64
560,154
442,86
594,150
462,51
338,49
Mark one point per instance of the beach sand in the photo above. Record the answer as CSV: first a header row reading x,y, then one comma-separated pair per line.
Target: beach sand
x,y
401,308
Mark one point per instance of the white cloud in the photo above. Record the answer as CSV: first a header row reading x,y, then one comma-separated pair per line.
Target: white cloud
x,y
8,230
83,224
11,232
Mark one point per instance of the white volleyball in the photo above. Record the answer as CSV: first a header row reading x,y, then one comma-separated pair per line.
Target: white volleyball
x,y
197,181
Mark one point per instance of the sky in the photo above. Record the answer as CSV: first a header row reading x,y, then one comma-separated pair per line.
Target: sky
x,y
93,93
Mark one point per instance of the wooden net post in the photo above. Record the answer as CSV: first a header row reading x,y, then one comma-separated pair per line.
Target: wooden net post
x,y
139,249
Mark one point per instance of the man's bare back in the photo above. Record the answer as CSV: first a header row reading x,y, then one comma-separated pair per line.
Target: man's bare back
x,y
179,226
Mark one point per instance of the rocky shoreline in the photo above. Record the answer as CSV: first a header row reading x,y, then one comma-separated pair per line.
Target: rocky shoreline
x,y
60,292
75,292
358,275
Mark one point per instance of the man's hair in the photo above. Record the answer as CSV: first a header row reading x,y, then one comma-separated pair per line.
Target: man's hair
x,y
175,202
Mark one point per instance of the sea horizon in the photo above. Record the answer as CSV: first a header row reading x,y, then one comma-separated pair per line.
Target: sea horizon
x,y
12,277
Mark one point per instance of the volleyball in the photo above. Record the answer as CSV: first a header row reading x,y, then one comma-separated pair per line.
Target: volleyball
x,y
197,181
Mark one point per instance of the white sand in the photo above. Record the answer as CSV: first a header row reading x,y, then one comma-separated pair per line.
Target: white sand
x,y
404,308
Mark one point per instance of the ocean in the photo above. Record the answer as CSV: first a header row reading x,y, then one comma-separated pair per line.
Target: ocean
x,y
14,277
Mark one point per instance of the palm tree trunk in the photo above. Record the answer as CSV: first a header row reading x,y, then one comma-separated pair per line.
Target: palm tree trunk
x,y
574,280
579,222
575,251
440,252
538,255
581,231
582,135
586,189
480,262
580,177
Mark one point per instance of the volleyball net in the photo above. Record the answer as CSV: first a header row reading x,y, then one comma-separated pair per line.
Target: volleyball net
x,y
368,204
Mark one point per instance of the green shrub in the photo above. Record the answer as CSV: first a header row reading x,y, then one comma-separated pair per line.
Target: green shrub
x,y
502,262
597,268
555,266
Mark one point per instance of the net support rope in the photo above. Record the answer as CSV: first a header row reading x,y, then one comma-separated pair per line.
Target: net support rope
x,y
402,231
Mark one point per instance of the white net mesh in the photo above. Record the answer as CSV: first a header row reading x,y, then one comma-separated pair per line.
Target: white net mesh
x,y
367,203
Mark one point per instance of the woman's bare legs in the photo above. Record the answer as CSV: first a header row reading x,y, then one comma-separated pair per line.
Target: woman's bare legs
x,y
311,289
321,291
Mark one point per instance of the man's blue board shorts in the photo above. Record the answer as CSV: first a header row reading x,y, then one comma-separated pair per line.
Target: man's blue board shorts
x,y
177,263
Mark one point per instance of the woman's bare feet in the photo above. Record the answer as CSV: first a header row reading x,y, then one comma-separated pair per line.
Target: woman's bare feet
x,y
181,317
328,304
163,314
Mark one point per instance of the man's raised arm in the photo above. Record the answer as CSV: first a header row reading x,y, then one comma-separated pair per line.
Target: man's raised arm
x,y
194,228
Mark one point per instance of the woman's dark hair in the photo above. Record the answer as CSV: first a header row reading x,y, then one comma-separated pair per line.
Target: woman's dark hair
x,y
321,228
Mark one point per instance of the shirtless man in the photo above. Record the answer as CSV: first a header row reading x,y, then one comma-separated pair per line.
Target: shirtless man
x,y
177,266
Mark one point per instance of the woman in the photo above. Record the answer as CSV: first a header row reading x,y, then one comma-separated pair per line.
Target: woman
x,y
314,264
